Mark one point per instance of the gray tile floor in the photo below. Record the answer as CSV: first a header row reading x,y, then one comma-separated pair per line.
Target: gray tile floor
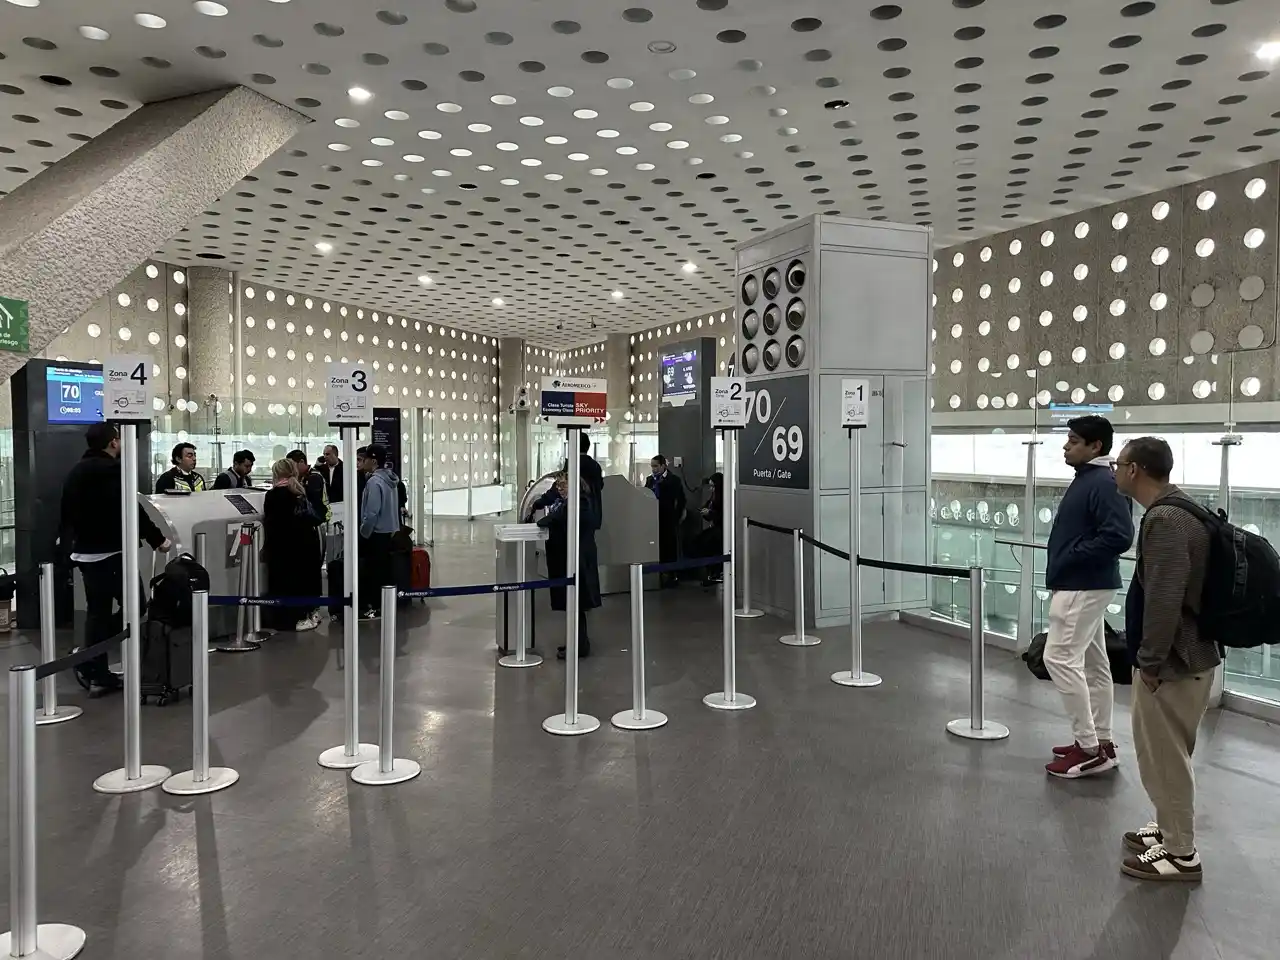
x,y
826,823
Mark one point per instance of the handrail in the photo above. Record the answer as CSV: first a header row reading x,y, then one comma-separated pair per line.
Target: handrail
x,y
1044,546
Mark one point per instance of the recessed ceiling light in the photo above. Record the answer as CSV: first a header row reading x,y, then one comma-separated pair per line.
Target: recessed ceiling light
x,y
607,134
598,171
479,127
690,267
682,74
396,115
93,33
642,106
627,151
429,134
717,120
507,145
25,3
531,121
660,127
485,168
644,166
324,247
359,95
382,142
339,147
460,152
560,91
372,163
585,114
579,156
1269,51
347,122
531,162
509,182
731,138
552,176
678,144
413,158
502,99
701,98
150,21
556,141
425,280
620,83
441,173
209,8
447,107
661,46
498,302
617,294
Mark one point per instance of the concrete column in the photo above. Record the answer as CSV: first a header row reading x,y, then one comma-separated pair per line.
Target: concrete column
x,y
617,370
514,456
209,334
69,234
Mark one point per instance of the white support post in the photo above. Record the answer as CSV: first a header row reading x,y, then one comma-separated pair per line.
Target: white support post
x,y
50,711
855,676
798,637
729,697
742,561
386,770
976,726
639,717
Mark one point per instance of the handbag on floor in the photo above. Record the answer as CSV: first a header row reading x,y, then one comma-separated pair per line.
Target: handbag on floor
x,y
1117,656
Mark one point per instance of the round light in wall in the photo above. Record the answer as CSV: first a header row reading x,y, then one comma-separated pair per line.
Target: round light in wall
x,y
1157,347
1253,190
1204,247
1254,238
1250,386
1120,221
1156,391
1160,210
1206,200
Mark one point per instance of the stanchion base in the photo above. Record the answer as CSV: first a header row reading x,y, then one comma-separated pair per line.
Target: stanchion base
x,y
335,758
59,715
748,614
239,645
846,679
117,781
988,731
808,640
371,775
718,701
561,727
186,785
626,720
530,660
54,941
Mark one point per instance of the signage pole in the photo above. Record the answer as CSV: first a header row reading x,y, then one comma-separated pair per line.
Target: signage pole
x,y
134,777
729,698
855,677
571,723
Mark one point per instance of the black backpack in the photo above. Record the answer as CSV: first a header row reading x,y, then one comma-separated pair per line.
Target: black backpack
x,y
1240,605
171,591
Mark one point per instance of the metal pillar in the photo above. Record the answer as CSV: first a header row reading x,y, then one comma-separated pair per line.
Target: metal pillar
x,y
522,657
386,770
976,726
729,698
1027,575
49,711
245,640
638,717
855,676
1227,441
133,777
746,611
798,637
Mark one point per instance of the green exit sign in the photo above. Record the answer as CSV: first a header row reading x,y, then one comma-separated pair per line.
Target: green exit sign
x,y
13,325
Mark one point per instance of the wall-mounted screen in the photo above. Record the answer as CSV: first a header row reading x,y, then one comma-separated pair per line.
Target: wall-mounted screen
x,y
679,376
1060,413
75,396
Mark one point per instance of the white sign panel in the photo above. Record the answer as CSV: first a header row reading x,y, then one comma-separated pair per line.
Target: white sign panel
x,y
126,387
348,395
573,401
855,403
728,403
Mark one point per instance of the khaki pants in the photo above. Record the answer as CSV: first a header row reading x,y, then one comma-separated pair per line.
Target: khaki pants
x,y
1164,737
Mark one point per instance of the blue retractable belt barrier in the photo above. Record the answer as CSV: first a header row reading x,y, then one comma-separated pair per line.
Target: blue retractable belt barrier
x,y
233,601
769,526
689,564
472,589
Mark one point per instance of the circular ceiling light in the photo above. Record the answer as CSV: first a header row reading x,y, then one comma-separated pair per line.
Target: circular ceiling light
x,y
507,145
448,107
425,280
479,127
607,134
150,21
324,246
429,134
556,141
413,158
460,152
645,166
690,268
617,294
678,144
498,302
359,95
620,83
661,46
642,106
583,113
683,73
598,171
94,33
339,147
660,127
731,138
502,99
531,121
382,142
716,120
209,8
531,162
347,122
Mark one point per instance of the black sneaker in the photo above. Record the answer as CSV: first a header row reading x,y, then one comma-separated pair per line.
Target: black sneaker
x,y
1142,840
584,650
1159,864
105,685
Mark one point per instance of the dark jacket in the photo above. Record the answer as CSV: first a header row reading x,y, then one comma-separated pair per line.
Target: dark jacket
x,y
1093,527
557,523
175,479
230,480
593,479
90,521
669,489
333,480
317,495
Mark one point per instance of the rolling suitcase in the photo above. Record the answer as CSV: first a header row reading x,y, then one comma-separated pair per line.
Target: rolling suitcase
x,y
420,569
166,661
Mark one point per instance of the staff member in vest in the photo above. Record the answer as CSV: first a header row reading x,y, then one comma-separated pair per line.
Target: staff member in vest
x,y
182,477
236,476
90,533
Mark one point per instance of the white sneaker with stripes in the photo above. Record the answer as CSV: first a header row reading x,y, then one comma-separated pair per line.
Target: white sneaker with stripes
x,y
1159,864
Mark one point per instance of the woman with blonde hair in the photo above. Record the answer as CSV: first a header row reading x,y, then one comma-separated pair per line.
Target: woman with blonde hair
x,y
292,547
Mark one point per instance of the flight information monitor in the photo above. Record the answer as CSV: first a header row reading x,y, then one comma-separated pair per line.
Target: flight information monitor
x,y
74,395
679,375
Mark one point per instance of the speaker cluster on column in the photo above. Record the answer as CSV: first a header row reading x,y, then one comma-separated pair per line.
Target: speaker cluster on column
x,y
772,305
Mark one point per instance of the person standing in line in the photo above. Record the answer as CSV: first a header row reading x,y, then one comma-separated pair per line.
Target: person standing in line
x,y
236,477
289,524
669,489
182,476
591,476
1094,526
379,522
90,534
313,484
331,470
556,523
1173,675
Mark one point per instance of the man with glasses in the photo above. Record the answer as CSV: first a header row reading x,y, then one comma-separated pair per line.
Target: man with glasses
x,y
1173,677
1093,527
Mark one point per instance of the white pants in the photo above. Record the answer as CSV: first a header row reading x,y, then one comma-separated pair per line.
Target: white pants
x,y
1075,655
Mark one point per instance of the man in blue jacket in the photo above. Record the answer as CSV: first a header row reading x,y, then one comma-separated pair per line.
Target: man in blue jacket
x,y
1094,526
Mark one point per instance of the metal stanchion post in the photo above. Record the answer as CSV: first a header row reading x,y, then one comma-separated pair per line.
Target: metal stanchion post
x,y
202,550
201,778
729,698
855,676
798,638
49,711
386,769
522,657
352,753
471,472
746,611
571,723
976,726
133,777
245,639
27,937
638,717
255,585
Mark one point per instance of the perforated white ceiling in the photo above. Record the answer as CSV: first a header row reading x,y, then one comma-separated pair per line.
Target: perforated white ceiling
x,y
570,157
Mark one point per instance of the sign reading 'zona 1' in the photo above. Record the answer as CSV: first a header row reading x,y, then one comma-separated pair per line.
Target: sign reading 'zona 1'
x,y
570,402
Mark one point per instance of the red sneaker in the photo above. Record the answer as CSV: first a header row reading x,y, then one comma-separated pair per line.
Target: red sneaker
x,y
1079,763
1107,745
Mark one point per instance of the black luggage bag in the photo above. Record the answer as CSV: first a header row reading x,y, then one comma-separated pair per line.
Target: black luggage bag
x,y
166,661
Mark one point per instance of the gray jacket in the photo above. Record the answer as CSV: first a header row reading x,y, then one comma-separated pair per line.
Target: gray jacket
x,y
380,505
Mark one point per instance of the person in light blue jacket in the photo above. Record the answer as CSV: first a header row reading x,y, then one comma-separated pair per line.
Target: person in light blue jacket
x,y
379,520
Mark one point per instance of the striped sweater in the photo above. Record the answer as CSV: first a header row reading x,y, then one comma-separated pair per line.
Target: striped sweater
x,y
1173,555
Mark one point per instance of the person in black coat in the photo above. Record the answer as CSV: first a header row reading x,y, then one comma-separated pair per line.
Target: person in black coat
x,y
556,523
292,548
669,489
710,540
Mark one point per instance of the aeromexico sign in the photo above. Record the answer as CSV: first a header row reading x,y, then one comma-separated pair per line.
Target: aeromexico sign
x,y
574,402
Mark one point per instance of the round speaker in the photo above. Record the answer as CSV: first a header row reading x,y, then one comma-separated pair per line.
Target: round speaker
x,y
795,351
750,289
796,276
750,358
772,282
751,324
772,319
772,355
795,314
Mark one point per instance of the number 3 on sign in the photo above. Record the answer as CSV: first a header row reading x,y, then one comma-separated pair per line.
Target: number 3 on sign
x,y
788,443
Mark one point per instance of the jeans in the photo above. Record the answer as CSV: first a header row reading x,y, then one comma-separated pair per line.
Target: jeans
x,y
375,568
103,591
